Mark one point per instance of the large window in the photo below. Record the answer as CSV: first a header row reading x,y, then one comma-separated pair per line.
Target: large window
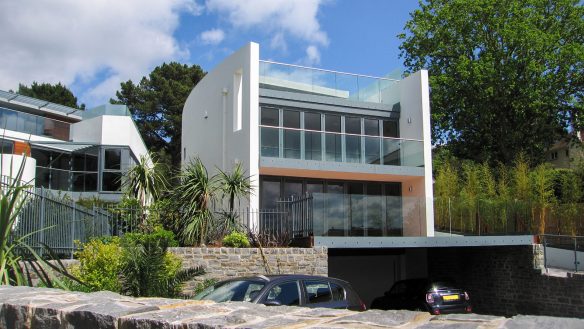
x,y
306,135
341,208
89,169
33,124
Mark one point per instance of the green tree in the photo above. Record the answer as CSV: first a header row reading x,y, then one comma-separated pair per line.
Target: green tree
x,y
506,75
156,103
58,94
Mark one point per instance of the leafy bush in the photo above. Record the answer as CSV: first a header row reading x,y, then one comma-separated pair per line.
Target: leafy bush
x,y
100,263
236,239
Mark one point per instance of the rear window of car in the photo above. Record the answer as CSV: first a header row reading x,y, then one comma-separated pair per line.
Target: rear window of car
x,y
323,292
232,291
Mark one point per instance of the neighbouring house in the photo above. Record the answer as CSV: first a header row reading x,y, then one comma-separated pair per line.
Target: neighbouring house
x,y
80,153
566,153
359,145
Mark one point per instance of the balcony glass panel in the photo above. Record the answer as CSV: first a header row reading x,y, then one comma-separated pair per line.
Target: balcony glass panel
x,y
353,145
340,147
333,148
270,142
372,150
292,144
300,79
367,214
312,145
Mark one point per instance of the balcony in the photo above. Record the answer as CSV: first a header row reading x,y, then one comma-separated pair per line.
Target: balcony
x,y
290,143
362,88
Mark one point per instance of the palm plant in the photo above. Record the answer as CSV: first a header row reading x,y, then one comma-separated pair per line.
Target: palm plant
x,y
234,185
196,194
146,180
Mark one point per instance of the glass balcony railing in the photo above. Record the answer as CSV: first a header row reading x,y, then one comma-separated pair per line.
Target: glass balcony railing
x,y
277,142
367,215
33,124
355,87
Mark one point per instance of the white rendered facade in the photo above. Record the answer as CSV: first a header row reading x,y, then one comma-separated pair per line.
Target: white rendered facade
x,y
230,116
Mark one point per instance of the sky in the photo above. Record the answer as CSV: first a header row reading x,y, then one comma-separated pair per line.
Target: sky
x,y
92,46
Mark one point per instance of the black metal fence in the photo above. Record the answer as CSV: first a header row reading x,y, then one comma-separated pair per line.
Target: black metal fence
x,y
292,218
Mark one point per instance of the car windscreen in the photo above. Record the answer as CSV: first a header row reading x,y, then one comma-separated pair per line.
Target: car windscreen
x,y
232,291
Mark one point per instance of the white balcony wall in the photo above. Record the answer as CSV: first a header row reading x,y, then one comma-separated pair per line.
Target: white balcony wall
x,y
109,130
220,117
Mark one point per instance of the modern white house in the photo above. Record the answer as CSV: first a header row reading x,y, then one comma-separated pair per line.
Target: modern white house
x,y
80,153
358,145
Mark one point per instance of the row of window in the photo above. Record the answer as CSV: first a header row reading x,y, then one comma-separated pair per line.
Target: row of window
x,y
336,138
33,124
334,123
89,170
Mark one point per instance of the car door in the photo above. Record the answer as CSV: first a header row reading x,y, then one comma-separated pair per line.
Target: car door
x,y
324,293
283,293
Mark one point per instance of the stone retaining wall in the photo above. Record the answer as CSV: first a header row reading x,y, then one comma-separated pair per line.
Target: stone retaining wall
x,y
25,307
509,280
222,263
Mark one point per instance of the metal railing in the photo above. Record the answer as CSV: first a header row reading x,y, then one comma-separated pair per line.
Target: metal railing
x,y
562,251
64,226
292,218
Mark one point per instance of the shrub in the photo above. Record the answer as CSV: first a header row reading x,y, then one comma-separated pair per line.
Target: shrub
x,y
100,263
236,240
160,236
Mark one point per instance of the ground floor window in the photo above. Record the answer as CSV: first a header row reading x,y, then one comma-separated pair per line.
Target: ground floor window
x,y
341,208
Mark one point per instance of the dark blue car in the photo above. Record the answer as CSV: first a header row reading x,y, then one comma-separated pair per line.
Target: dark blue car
x,y
435,296
291,290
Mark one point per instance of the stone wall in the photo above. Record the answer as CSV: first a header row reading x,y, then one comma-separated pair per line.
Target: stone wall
x,y
222,263
509,280
25,307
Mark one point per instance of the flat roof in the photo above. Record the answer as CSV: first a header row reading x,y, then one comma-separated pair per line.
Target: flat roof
x,y
422,242
40,105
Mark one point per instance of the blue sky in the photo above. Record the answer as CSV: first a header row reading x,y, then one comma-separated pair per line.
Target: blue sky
x,y
93,46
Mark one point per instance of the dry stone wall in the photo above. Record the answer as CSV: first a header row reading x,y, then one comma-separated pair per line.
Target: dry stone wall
x,y
223,263
25,307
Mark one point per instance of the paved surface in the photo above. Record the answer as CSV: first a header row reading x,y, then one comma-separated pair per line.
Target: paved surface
x,y
25,307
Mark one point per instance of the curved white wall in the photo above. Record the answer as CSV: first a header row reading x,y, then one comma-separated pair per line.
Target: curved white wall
x,y
220,117
11,163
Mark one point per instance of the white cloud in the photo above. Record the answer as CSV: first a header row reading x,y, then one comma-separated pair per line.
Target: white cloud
x,y
72,41
278,42
312,55
212,37
297,18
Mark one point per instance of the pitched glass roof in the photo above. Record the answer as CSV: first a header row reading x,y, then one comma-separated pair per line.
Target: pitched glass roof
x,y
38,103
